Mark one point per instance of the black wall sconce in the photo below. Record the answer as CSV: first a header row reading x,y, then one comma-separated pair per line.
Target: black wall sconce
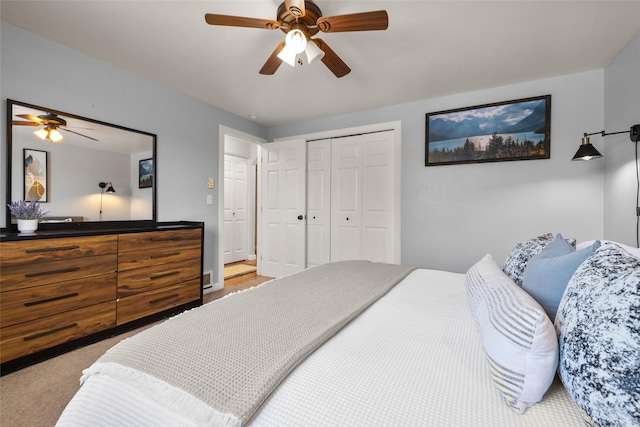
x,y
588,151
109,189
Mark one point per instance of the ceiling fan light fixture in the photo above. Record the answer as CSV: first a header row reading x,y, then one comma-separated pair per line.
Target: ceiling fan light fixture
x,y
288,55
296,40
41,133
313,52
54,135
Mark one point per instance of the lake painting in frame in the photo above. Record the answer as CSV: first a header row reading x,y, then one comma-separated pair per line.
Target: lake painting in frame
x,y
510,130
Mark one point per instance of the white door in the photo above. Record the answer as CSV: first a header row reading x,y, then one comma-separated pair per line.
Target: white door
x,y
318,202
235,208
346,199
283,207
363,198
378,197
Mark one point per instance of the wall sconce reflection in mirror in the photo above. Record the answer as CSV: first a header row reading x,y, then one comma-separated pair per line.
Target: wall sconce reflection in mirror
x,y
109,189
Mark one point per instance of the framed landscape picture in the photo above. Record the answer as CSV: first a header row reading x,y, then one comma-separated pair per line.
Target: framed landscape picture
x,y
510,130
145,173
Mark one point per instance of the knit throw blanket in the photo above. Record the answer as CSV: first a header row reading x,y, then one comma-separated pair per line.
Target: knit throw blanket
x,y
219,363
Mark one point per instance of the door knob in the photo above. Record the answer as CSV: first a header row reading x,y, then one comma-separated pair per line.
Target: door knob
x,y
300,217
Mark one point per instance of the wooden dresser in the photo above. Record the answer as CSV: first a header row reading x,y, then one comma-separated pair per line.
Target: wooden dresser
x,y
62,290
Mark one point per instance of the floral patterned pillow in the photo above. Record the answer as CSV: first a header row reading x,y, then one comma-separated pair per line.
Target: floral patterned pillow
x,y
520,255
598,326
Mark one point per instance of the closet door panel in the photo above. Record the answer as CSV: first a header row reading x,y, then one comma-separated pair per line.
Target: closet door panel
x,y
318,202
346,194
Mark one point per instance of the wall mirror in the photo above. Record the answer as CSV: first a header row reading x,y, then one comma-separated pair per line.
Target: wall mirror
x,y
68,162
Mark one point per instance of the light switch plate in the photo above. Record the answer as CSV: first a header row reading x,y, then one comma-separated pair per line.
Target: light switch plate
x,y
209,199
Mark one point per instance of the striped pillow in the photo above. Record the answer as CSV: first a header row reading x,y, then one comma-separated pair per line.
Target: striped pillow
x,y
518,338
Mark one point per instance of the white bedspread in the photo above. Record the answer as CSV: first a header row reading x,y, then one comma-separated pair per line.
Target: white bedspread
x,y
412,359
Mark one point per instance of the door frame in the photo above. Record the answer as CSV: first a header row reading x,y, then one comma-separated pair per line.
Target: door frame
x,y
396,127
222,132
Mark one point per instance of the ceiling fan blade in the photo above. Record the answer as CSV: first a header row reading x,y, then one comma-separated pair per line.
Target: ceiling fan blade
x,y
21,123
365,21
295,7
35,119
273,62
240,21
331,60
69,130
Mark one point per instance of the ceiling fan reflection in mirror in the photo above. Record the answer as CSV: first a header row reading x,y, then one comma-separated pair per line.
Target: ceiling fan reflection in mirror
x,y
51,123
300,21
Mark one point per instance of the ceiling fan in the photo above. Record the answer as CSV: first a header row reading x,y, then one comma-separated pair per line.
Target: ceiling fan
x,y
300,20
51,122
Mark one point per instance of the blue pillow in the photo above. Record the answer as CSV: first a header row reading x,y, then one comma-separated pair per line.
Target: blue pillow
x,y
548,273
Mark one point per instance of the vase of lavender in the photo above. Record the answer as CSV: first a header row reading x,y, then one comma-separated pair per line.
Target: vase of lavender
x,y
28,214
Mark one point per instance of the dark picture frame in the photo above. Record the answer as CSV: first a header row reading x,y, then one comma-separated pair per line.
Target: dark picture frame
x,y
510,130
36,174
145,173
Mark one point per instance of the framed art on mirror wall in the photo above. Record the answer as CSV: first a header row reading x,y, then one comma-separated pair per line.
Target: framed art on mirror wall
x,y
35,176
145,173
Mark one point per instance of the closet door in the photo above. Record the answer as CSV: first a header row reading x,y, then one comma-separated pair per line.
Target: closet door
x,y
346,231
377,197
363,198
318,202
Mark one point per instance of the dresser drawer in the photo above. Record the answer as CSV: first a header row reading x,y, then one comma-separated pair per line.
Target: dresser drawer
x,y
32,303
149,278
158,240
41,273
138,259
41,250
147,303
31,337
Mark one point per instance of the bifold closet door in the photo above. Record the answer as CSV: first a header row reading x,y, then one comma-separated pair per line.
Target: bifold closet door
x,y
318,202
362,197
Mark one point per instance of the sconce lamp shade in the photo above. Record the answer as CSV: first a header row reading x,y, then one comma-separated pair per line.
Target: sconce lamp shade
x,y
586,151
109,187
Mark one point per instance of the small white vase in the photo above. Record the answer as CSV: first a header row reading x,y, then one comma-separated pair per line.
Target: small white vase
x,y
27,225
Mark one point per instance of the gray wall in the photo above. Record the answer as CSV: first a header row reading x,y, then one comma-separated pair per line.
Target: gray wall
x,y
622,109
38,71
453,215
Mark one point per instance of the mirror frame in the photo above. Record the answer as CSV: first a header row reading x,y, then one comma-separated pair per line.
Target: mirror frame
x,y
70,225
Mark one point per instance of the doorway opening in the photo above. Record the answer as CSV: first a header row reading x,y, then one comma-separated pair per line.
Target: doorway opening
x,y
237,240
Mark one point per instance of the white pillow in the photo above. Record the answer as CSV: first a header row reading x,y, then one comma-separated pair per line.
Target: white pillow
x,y
518,337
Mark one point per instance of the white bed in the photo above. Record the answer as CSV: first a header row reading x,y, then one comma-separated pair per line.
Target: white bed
x,y
413,358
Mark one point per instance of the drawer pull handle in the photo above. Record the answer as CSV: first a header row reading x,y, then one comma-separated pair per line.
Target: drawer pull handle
x,y
165,239
44,301
44,273
157,300
165,255
61,248
53,331
161,275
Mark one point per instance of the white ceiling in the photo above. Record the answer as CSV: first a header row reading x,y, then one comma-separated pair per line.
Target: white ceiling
x,y
431,48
